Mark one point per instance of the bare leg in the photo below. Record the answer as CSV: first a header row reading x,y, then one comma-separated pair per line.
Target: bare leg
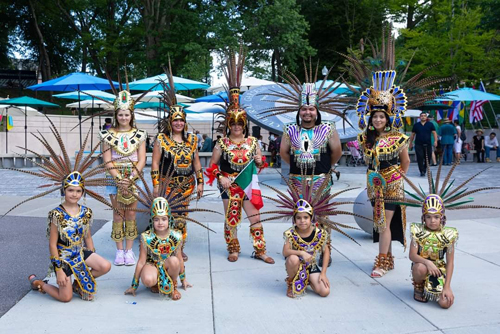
x,y
318,286
419,273
149,275
100,266
292,267
173,267
130,215
63,293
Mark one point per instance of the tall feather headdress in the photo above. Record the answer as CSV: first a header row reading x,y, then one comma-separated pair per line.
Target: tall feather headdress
x,y
316,201
60,172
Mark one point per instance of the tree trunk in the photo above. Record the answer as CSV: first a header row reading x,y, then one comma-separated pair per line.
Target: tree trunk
x,y
84,59
273,68
44,56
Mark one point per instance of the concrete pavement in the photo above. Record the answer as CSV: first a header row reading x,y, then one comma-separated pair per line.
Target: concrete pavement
x,y
249,296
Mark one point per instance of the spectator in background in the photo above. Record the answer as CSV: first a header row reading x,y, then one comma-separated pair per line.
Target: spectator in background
x,y
491,143
107,124
272,149
457,146
207,144
215,142
422,132
447,132
478,141
200,139
436,126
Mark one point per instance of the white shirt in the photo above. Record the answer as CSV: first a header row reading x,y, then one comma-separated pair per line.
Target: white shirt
x,y
491,142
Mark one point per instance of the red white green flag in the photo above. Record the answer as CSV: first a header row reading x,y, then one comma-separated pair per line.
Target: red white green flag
x,y
248,180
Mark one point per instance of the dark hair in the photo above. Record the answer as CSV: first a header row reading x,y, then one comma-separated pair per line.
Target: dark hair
x,y
423,112
318,119
183,134
107,120
371,135
245,130
456,122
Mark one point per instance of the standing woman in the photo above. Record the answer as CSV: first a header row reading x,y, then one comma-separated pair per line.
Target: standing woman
x,y
457,145
386,154
177,149
124,147
234,152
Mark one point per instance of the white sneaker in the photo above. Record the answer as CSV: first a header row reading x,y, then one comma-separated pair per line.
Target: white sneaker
x,y
119,257
129,257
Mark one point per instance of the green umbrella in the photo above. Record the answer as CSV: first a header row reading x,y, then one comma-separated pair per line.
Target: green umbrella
x,y
27,101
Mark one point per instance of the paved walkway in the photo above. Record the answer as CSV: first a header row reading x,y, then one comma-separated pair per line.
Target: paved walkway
x,y
249,296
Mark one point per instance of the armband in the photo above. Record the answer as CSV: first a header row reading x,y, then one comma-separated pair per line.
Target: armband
x,y
135,283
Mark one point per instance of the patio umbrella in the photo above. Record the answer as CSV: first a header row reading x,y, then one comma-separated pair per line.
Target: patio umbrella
x,y
155,97
337,88
219,97
435,106
74,82
468,94
153,83
246,84
28,101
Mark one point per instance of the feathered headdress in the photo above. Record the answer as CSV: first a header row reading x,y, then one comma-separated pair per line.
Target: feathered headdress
x,y
417,89
295,94
234,112
317,202
172,204
175,111
60,173
439,198
382,96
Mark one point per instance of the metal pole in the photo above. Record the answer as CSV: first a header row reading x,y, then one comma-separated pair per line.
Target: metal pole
x,y
7,130
92,125
79,115
25,129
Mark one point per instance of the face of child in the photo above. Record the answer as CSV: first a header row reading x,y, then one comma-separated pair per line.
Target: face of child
x,y
432,221
160,223
303,221
124,117
72,194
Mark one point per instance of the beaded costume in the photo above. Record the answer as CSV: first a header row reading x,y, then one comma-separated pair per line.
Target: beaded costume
x,y
321,206
179,155
124,147
309,148
70,246
234,158
58,170
158,249
384,173
433,244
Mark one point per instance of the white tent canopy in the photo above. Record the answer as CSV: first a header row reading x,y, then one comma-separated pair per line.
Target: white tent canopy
x,y
246,84
87,104
155,97
18,111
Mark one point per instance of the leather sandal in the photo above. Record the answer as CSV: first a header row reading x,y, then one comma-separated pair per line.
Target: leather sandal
x,y
418,292
258,255
37,284
176,295
289,290
380,266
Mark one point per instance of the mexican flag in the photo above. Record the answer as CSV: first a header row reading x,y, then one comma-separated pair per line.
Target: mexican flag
x,y
248,180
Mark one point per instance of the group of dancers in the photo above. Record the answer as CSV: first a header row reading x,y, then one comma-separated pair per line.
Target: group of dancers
x,y
310,145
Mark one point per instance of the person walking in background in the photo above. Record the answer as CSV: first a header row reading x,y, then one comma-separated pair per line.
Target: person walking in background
x,y
200,139
447,132
436,126
108,124
457,145
207,144
491,143
422,132
478,141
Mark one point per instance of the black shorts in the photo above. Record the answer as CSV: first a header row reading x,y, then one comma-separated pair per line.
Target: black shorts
x,y
315,269
67,270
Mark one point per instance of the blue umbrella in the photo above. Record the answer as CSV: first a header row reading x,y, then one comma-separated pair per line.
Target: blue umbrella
x,y
75,81
337,88
87,95
468,94
153,83
220,97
